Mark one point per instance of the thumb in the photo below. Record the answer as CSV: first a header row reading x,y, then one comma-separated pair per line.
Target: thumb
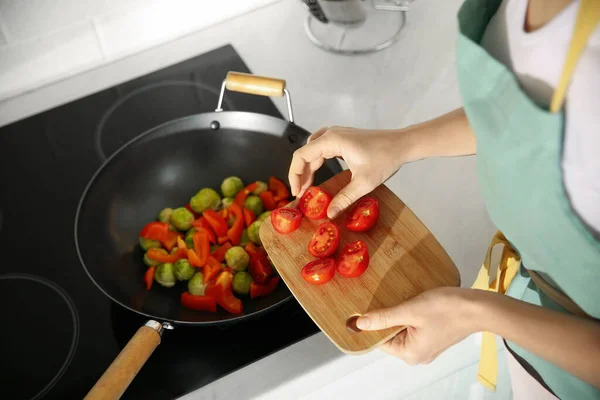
x,y
384,318
357,188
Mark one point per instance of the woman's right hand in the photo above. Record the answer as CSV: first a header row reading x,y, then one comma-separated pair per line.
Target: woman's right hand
x,y
372,157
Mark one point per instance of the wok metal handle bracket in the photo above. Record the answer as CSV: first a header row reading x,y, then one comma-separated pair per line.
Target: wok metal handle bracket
x,y
254,84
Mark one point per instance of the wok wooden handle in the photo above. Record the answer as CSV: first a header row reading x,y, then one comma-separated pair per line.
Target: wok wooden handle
x,y
115,380
254,84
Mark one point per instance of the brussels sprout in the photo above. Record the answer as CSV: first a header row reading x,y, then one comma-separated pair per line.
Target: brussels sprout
x,y
254,204
150,262
165,214
165,275
241,282
182,218
231,186
184,270
189,238
203,200
264,216
260,187
237,259
196,285
253,230
149,243
172,228
244,241
226,202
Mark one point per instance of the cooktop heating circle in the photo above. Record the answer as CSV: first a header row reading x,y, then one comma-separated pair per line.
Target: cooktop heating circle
x,y
175,99
40,317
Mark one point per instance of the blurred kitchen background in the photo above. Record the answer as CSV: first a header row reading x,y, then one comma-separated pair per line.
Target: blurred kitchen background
x,y
53,52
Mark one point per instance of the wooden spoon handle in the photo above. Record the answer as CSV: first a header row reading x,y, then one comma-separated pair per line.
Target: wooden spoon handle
x,y
115,380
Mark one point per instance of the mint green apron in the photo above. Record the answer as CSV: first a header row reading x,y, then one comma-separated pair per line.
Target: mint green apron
x,y
519,150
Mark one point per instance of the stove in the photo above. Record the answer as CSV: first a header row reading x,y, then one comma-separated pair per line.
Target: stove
x,y
59,331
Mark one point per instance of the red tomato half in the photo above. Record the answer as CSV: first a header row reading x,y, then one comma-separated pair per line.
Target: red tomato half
x,y
364,215
353,260
319,272
286,220
314,203
325,240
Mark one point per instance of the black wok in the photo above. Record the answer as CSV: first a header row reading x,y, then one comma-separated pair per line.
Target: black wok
x,y
165,167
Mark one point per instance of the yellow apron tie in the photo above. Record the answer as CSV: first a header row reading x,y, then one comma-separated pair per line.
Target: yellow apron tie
x,y
505,272
588,16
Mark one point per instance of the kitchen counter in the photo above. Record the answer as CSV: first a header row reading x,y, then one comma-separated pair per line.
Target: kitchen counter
x,y
410,82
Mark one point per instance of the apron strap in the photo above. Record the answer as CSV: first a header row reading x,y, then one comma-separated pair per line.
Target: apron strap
x,y
588,17
559,298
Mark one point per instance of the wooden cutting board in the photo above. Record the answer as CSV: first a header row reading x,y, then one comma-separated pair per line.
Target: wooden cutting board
x,y
406,260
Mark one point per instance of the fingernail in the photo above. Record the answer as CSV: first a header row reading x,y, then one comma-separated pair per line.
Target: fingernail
x,y
363,323
333,212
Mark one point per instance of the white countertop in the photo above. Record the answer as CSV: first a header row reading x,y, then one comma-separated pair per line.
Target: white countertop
x,y
411,81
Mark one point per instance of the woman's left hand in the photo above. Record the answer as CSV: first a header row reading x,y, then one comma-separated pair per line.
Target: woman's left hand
x,y
435,320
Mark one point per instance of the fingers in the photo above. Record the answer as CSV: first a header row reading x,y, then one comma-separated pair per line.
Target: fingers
x,y
307,178
317,134
384,318
323,147
357,188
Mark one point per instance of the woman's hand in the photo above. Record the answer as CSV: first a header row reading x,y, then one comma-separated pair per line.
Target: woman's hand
x,y
372,157
435,320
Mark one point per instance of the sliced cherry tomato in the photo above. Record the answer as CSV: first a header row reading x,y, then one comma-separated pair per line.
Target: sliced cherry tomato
x,y
249,216
201,246
198,303
170,240
219,254
221,291
155,231
286,220
278,188
149,277
258,290
319,272
189,208
353,260
235,232
268,200
211,269
216,222
158,255
314,203
282,203
325,240
364,215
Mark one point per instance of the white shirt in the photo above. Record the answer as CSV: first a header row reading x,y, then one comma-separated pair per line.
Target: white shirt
x,y
537,59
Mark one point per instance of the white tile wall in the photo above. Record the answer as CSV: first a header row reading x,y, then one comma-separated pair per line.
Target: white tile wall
x,y
42,41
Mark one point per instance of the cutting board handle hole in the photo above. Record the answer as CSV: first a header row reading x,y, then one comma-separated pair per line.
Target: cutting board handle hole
x,y
351,324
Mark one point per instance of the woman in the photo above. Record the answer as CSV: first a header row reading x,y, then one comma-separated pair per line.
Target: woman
x,y
539,171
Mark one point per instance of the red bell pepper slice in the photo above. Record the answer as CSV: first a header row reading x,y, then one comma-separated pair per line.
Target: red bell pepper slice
x,y
158,255
198,303
201,246
216,221
259,268
268,200
249,216
258,290
194,259
282,203
278,188
170,240
155,230
221,291
223,240
189,208
219,254
202,224
149,277
242,194
225,214
235,232
211,269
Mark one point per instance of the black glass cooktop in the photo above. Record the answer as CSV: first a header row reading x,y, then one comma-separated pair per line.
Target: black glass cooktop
x,y
59,332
